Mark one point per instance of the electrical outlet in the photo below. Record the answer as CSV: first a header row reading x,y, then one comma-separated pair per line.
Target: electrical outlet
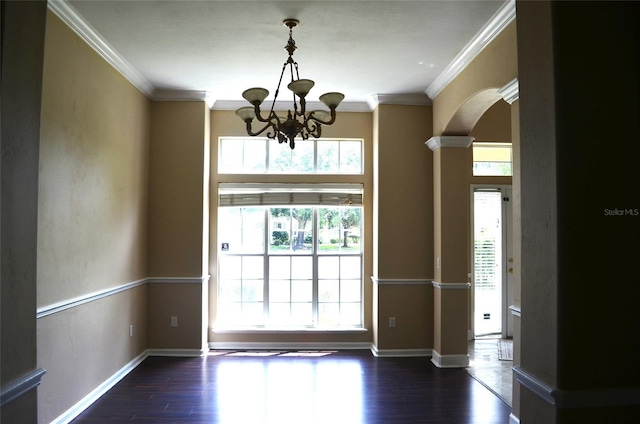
x,y
174,321
392,322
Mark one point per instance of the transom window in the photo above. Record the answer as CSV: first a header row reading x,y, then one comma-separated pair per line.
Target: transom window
x,y
492,159
290,256
255,155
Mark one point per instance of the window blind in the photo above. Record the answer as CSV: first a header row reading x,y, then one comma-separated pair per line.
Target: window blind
x,y
289,194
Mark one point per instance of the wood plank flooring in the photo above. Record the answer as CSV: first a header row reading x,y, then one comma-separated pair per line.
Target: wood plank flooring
x,y
345,387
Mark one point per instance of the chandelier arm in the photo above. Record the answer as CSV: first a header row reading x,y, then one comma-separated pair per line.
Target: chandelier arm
x,y
314,129
269,125
329,122
258,112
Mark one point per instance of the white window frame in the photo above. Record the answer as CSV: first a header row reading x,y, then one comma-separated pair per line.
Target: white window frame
x,y
315,196
481,145
268,142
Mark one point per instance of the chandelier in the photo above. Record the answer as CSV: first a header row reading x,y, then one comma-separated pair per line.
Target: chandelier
x,y
298,121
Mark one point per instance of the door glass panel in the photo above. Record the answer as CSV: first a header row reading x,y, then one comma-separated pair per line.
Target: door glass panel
x,y
487,224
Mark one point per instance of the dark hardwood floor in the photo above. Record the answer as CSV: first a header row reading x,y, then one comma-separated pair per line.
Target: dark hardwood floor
x,y
350,387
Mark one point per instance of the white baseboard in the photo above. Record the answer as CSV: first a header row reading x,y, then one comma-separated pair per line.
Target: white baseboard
x,y
400,353
86,402
176,352
449,361
289,346
513,419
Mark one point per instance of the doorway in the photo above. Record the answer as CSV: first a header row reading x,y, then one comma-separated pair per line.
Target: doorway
x,y
491,255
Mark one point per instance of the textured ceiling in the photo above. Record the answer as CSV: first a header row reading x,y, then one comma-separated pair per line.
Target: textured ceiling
x,y
361,48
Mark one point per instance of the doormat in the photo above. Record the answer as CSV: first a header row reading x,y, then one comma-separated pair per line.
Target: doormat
x,y
505,349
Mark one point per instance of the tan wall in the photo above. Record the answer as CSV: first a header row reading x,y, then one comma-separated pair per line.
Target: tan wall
x,y
84,346
412,307
491,70
348,125
91,221
178,222
404,193
181,300
93,172
403,227
176,188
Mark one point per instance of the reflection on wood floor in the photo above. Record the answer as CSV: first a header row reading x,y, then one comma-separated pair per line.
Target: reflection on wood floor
x,y
332,387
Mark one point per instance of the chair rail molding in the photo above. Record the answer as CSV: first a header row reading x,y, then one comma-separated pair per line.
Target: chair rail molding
x,y
22,385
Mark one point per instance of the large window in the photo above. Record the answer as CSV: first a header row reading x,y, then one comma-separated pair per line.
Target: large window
x,y
239,155
290,256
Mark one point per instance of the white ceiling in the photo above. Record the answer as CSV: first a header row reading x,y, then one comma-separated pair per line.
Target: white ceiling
x,y
366,49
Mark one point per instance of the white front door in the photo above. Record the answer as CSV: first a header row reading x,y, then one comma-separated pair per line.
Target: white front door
x,y
491,251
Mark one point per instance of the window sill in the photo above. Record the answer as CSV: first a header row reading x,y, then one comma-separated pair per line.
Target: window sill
x,y
287,330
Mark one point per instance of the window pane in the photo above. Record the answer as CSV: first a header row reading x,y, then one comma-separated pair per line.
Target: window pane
x,y
280,267
252,314
279,157
231,290
255,150
328,159
350,267
230,155
301,291
241,230
289,283
328,267
302,229
328,290
326,156
350,290
279,291
329,314
253,230
301,313
253,267
350,222
252,290
350,314
302,157
492,159
280,224
350,157
230,267
329,229
302,267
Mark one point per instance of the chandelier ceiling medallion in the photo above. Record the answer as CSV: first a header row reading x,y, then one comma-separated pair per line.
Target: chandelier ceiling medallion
x,y
298,121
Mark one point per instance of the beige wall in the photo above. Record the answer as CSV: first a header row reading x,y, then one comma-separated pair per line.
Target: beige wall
x,y
403,228
91,221
465,99
93,172
176,185
84,346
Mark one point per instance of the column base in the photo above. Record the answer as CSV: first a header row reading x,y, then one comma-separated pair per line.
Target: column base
x,y
450,361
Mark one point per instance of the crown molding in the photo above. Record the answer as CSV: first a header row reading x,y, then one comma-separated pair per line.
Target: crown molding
x,y
183,96
408,99
284,105
498,22
434,143
510,92
76,22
